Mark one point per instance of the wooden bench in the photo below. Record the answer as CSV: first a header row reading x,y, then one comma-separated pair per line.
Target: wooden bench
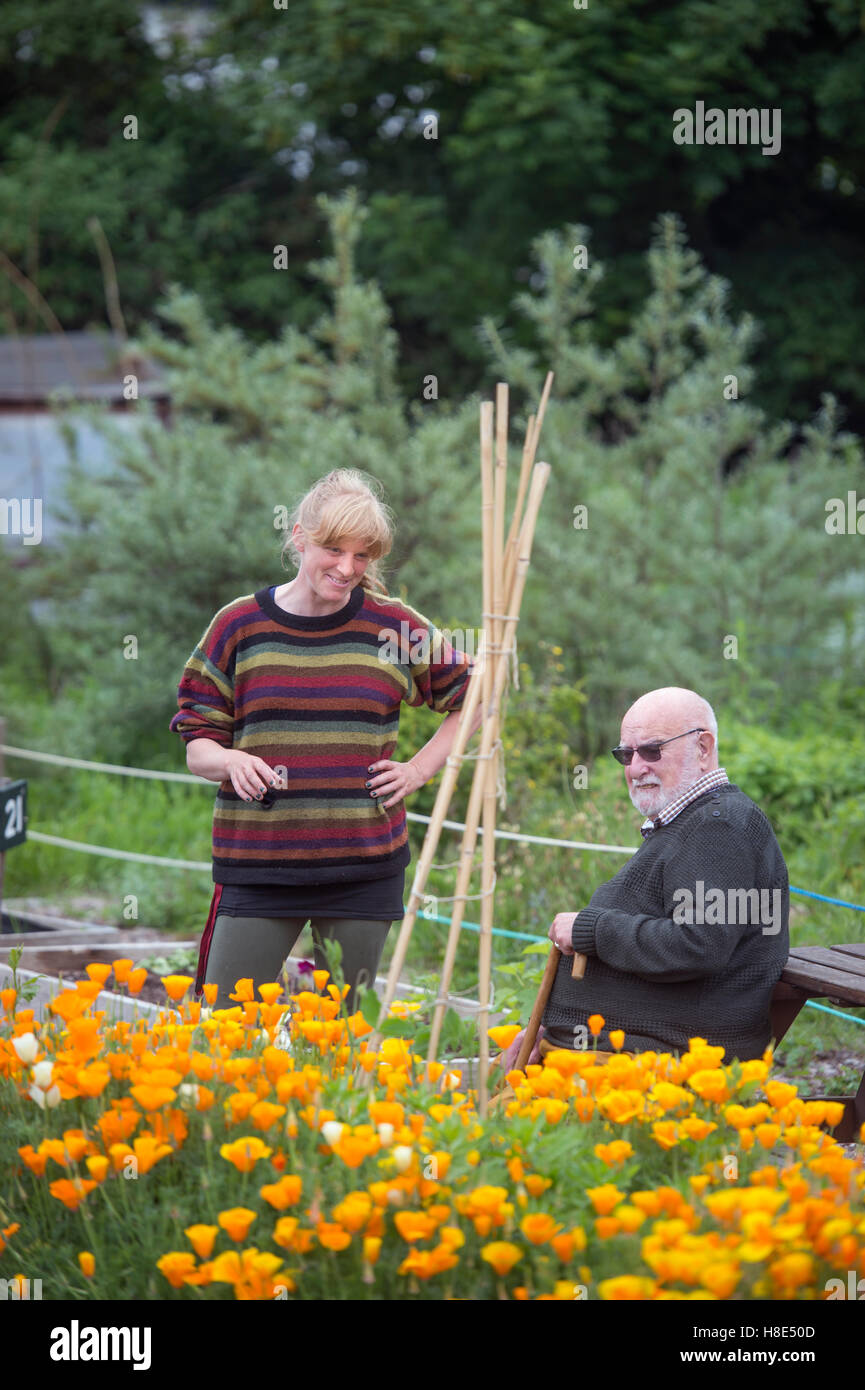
x,y
824,972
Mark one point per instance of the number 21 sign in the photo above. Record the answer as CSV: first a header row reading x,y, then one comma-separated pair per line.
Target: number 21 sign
x,y
13,814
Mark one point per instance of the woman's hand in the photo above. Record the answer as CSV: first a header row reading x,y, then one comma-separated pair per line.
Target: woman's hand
x,y
392,779
250,776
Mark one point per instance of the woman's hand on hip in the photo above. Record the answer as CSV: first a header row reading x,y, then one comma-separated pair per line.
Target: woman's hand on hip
x,y
394,780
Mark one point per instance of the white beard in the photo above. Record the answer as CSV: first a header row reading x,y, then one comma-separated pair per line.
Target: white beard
x,y
652,799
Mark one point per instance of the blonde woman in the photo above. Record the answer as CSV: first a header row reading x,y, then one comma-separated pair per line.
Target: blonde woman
x,y
291,703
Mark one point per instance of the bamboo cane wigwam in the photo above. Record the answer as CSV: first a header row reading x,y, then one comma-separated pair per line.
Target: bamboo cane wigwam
x,y
505,566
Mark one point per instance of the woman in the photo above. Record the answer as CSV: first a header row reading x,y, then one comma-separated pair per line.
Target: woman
x,y
291,703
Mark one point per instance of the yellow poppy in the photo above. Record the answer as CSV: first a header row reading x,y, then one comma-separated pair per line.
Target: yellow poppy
x,y
97,1166
627,1288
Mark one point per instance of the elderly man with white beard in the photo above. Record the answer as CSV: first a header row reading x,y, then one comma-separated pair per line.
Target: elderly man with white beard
x,y
691,935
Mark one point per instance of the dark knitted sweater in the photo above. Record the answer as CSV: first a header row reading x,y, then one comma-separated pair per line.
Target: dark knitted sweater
x,y
662,978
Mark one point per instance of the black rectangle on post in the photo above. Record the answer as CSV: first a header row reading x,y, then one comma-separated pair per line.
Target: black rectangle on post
x,y
13,814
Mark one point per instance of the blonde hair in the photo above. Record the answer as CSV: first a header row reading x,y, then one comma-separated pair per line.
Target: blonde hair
x,y
343,505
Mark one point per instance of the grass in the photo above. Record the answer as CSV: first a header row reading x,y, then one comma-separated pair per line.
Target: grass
x,y
534,882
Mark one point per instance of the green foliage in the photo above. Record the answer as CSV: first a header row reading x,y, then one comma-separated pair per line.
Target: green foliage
x,y
702,523
252,112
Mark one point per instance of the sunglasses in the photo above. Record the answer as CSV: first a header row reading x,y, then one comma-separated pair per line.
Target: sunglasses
x,y
650,752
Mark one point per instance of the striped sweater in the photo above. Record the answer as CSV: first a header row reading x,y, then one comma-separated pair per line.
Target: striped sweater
x,y
318,697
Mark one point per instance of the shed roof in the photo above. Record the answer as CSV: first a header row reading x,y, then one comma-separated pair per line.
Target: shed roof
x,y
89,365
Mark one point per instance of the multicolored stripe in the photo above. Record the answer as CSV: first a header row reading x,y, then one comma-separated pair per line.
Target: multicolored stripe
x,y
313,697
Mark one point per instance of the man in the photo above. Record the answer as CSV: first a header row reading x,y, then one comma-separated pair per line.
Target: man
x,y
691,936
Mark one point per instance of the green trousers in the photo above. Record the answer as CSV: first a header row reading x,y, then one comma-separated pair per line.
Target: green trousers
x,y
244,947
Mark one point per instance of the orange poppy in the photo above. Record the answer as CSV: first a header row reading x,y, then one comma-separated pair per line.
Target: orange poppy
x,y
153,1097
148,1151
176,985
71,1191
538,1227
414,1225
244,1153
502,1255
201,1239
264,1114
175,1266
604,1199
243,991
284,1193
332,1236
36,1162
237,1221
98,973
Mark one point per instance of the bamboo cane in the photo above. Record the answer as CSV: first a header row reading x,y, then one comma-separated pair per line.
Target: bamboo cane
x,y
494,485
494,675
500,495
442,801
486,923
488,735
533,434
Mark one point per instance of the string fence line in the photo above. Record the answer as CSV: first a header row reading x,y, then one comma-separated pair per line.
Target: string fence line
x,y
187,777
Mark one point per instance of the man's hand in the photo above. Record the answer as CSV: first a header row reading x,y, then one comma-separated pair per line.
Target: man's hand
x,y
509,1056
560,932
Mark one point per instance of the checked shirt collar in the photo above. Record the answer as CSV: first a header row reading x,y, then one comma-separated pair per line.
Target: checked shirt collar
x,y
706,783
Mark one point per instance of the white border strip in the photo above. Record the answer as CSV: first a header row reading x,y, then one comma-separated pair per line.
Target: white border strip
x,y
188,778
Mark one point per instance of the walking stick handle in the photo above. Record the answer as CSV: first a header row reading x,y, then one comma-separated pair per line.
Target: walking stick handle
x,y
578,969
534,1022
